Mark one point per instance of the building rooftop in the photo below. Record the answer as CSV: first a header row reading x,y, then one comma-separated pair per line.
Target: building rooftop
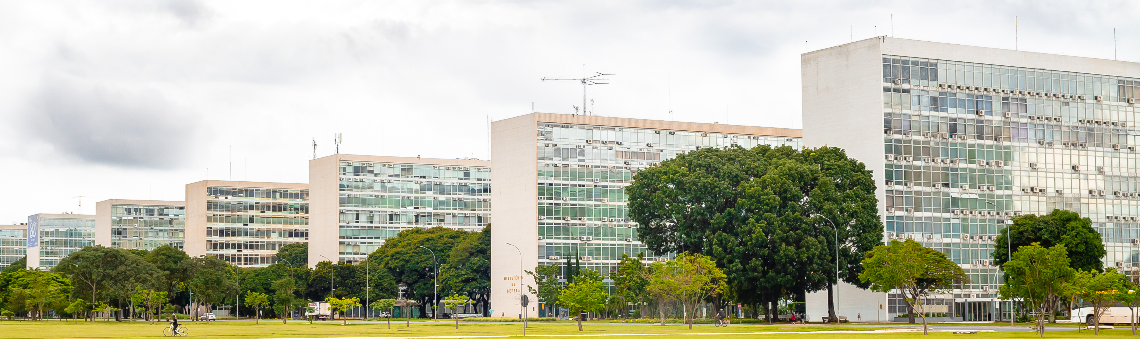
x,y
595,120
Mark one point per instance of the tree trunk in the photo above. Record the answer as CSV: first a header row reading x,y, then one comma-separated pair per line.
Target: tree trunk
x,y
909,311
661,310
925,330
831,304
580,322
389,318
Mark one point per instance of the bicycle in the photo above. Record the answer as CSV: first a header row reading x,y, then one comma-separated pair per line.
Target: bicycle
x,y
720,323
169,331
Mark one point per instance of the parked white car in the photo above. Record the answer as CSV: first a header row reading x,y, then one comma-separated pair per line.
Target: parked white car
x,y
1112,315
209,316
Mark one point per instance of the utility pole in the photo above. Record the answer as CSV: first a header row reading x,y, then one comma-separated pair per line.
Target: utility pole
x,y
586,81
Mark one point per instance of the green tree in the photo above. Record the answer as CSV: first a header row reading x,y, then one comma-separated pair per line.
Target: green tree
x,y
109,274
1130,298
211,280
659,287
41,290
1060,227
692,278
1100,290
546,277
414,266
283,297
150,299
385,305
912,269
468,268
586,294
1038,276
631,278
77,307
341,305
454,301
256,301
294,255
764,214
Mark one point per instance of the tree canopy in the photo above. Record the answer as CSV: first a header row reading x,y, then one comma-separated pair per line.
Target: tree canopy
x,y
409,264
1060,227
1037,275
911,268
769,217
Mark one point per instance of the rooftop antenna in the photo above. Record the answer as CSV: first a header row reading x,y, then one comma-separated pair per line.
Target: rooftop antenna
x,y
231,162
339,138
314,148
585,81
1114,44
669,96
892,25
80,203
1015,33
852,33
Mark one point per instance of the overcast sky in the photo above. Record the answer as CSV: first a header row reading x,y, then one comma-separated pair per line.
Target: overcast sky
x,y
135,99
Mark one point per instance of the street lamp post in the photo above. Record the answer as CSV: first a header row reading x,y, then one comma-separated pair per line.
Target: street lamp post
x,y
836,264
520,283
332,276
435,289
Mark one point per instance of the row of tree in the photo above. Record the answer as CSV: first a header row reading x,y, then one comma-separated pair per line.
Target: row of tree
x,y
688,279
121,283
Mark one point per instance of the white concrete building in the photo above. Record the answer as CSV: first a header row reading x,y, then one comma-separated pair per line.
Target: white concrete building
x,y
358,201
560,190
963,138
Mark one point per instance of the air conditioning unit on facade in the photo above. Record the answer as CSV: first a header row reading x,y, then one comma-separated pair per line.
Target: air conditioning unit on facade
x,y
980,112
1033,165
1006,114
1131,100
1076,168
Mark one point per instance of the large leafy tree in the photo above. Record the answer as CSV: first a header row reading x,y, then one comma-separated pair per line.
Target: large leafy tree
x,y
211,280
19,264
468,269
769,216
107,274
914,270
1038,276
403,258
168,259
294,255
40,291
1060,227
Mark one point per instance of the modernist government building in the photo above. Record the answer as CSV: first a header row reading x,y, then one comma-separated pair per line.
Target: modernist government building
x,y
960,138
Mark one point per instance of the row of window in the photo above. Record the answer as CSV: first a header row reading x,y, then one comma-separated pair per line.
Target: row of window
x,y
416,171
450,203
147,211
248,193
425,186
930,72
421,218
235,206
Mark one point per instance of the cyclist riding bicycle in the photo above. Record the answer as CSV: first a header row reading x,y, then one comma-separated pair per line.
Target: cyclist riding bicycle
x,y
174,325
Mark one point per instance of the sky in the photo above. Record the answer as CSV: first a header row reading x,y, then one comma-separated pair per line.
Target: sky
x,y
135,99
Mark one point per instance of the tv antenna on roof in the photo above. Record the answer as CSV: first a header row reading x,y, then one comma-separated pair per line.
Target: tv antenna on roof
x,y
80,203
314,148
586,81
339,139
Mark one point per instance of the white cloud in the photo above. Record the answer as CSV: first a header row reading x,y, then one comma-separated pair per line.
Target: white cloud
x,y
411,78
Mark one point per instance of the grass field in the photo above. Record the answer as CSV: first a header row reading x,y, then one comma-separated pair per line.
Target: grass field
x,y
302,329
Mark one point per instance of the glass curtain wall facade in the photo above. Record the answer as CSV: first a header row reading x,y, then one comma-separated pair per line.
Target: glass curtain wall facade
x,y
379,199
246,226
145,227
970,145
582,174
62,234
13,244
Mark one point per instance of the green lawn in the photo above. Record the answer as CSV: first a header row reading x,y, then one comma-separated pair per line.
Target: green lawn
x,y
274,329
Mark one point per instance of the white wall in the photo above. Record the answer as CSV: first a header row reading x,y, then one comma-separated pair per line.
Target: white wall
x,y
514,207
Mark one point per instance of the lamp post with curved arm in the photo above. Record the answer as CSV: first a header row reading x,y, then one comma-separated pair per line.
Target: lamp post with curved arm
x,y
332,276
435,281
836,300
520,284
